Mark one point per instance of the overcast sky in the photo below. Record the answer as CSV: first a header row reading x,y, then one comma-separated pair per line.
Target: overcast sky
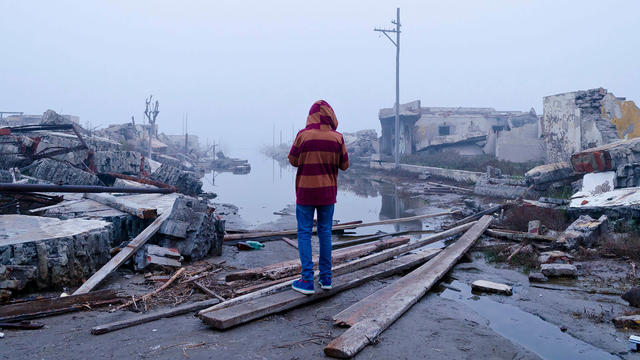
x,y
240,67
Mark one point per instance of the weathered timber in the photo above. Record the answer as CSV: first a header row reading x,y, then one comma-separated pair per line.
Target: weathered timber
x,y
123,255
362,240
142,319
208,291
352,314
290,242
120,204
518,236
64,203
52,306
288,268
399,296
278,302
335,227
449,186
369,260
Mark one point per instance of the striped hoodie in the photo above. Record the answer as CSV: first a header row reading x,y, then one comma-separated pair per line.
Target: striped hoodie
x,y
318,152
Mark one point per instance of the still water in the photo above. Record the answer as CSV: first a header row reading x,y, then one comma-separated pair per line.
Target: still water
x,y
270,187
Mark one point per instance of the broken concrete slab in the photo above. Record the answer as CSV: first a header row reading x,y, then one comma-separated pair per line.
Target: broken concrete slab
x,y
624,202
585,232
187,182
65,251
607,157
491,287
192,229
598,183
558,270
121,162
544,175
59,172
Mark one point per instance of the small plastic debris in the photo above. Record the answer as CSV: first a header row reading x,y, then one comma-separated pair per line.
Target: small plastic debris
x,y
249,245
64,294
1,335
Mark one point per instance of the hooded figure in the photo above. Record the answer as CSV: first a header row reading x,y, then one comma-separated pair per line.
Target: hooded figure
x,y
318,152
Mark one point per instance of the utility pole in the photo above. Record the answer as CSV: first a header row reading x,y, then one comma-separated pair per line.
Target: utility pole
x,y
397,105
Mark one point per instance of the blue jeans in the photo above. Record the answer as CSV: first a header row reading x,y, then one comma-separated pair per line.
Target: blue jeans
x,y
304,215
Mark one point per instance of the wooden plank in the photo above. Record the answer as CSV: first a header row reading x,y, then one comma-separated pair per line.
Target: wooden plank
x,y
290,242
62,204
369,260
208,291
142,319
123,255
291,267
362,240
230,237
399,296
120,204
518,236
51,306
351,315
284,300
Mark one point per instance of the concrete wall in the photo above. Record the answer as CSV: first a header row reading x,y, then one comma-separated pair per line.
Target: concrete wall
x,y
520,144
461,127
580,120
561,126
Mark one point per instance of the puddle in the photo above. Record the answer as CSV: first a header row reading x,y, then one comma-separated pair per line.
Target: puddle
x,y
520,327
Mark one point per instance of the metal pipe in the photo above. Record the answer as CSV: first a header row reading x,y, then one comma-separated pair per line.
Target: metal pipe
x,y
20,188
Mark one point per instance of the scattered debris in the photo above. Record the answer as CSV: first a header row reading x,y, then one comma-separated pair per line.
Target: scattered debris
x,y
628,321
537,277
491,287
584,232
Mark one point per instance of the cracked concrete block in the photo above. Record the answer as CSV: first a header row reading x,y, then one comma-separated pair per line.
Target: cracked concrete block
x,y
558,270
598,183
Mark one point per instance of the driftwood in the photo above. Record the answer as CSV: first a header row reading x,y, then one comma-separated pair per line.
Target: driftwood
x,y
290,242
335,227
123,255
142,319
58,305
257,308
379,310
291,267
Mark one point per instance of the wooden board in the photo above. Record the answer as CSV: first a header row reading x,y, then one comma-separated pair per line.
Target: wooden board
x,y
291,267
284,300
123,255
519,236
275,286
399,296
52,306
230,237
141,319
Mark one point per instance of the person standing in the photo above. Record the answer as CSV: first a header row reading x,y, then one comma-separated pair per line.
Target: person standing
x,y
318,151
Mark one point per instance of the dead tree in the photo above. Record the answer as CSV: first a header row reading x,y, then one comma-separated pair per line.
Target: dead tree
x,y
151,113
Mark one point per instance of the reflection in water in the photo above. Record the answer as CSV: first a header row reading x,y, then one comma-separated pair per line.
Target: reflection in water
x,y
271,187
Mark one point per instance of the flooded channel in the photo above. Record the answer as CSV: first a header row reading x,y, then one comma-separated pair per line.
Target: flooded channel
x,y
269,188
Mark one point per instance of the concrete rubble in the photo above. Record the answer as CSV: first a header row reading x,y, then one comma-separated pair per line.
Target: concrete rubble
x,y
60,240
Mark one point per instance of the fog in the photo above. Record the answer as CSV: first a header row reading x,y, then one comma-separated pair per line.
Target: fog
x,y
241,68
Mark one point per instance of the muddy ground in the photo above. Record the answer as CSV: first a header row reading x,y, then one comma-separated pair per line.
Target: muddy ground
x,y
563,321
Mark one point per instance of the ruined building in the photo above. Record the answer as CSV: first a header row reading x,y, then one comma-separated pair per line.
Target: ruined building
x,y
509,135
580,120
